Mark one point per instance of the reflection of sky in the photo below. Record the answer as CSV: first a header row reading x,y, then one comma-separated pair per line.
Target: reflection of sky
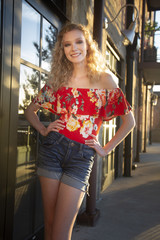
x,y
30,33
157,36
45,64
31,25
156,88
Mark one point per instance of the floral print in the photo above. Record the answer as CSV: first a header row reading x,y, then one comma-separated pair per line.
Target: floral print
x,y
86,128
60,110
83,110
75,92
72,124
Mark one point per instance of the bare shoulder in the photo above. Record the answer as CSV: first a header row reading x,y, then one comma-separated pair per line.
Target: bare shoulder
x,y
108,80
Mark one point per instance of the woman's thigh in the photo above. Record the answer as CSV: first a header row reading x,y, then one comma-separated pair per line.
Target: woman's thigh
x,y
69,200
49,188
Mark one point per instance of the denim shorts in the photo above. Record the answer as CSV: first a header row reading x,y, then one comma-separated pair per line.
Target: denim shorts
x,y
65,160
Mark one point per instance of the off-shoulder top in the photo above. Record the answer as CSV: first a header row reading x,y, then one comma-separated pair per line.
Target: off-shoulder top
x,y
82,109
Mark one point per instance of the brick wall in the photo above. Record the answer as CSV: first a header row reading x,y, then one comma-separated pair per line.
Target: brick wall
x,y
81,11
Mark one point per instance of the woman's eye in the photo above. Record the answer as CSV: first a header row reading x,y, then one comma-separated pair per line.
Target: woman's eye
x,y
66,45
79,42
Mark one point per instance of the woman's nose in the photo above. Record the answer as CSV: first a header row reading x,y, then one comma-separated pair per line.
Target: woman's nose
x,y
74,46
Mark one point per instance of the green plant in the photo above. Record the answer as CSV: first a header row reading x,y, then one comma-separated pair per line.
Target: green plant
x,y
151,28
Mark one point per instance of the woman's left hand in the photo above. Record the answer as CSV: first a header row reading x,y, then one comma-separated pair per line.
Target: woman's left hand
x,y
94,143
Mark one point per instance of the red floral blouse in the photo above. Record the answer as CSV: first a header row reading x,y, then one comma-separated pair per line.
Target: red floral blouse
x,y
83,110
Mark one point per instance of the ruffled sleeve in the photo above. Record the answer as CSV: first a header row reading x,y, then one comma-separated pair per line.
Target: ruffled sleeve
x,y
115,104
46,98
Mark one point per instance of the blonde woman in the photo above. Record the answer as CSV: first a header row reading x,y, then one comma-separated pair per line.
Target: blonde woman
x,y
83,95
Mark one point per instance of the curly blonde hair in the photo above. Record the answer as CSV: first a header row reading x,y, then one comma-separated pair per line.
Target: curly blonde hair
x,y
62,68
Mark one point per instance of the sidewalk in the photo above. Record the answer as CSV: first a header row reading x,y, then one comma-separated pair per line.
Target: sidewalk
x,y
130,207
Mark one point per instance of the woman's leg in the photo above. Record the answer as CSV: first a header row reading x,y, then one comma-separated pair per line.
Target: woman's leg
x,y
69,200
49,188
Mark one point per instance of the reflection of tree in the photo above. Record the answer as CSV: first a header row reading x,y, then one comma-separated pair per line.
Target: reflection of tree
x,y
50,38
30,88
32,81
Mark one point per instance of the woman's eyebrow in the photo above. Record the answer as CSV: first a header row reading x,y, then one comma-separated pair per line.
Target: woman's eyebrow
x,y
71,40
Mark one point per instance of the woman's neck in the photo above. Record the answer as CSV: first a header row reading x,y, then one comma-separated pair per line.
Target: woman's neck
x,y
79,77
79,70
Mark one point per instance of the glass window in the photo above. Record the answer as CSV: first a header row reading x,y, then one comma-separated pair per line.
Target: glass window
x,y
107,57
28,86
109,127
28,211
45,115
44,78
157,36
49,35
112,59
27,136
38,37
30,34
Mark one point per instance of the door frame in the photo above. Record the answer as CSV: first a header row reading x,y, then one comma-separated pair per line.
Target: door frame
x,y
11,11
7,121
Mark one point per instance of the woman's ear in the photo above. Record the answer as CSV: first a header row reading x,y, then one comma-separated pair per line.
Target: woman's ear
x,y
87,46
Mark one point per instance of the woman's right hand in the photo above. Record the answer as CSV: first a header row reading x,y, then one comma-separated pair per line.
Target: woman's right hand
x,y
53,126
31,116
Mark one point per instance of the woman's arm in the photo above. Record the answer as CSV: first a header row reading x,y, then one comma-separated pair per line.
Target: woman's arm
x,y
126,127
32,118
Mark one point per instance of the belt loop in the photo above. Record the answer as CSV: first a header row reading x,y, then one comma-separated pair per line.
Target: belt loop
x,y
60,139
81,147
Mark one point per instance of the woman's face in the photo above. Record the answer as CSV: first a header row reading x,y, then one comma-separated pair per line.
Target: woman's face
x,y
75,46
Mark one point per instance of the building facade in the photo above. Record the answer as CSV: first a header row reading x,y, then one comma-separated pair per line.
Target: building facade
x,y
28,33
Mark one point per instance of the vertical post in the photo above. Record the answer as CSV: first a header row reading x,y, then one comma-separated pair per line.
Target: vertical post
x,y
91,198
97,35
130,59
128,140
150,130
139,130
145,120
98,22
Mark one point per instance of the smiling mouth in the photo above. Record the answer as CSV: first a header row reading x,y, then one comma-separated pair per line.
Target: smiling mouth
x,y
75,55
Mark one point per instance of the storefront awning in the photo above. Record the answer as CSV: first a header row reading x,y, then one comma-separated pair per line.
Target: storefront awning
x,y
153,5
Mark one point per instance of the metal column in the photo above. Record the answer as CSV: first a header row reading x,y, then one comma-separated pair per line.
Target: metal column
x,y
139,127
129,86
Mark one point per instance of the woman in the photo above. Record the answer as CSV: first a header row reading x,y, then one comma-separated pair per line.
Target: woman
x,y
82,94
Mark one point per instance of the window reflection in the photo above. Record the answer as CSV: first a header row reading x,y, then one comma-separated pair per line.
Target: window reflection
x,y
44,78
26,153
45,115
29,86
27,136
38,37
31,38
30,34
49,33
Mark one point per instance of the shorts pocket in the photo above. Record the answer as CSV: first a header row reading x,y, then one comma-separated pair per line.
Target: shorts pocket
x,y
88,154
50,139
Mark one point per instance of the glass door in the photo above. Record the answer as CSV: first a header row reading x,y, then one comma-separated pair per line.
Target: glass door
x,y
109,128
38,36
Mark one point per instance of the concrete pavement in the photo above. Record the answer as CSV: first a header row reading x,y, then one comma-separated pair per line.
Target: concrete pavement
x,y
130,206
